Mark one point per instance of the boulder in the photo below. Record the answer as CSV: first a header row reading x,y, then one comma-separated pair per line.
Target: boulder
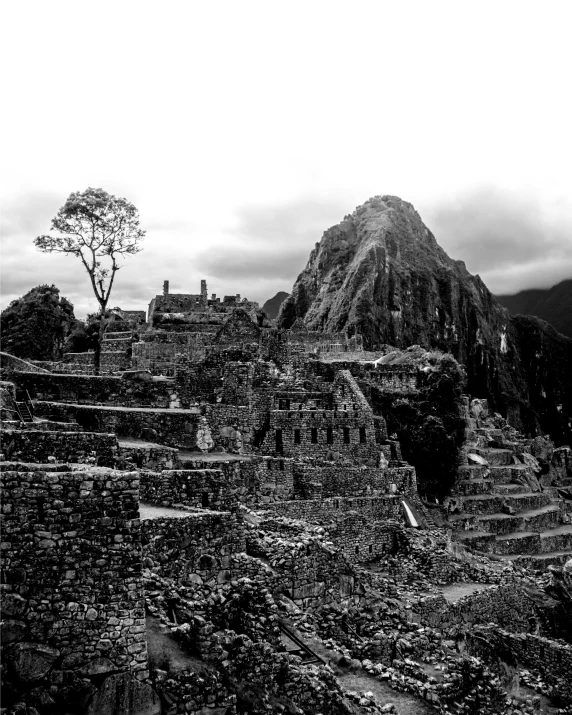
x,y
31,661
13,604
473,458
12,631
123,694
98,666
149,434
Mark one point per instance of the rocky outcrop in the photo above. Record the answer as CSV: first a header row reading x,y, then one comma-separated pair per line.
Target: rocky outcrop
x,y
381,273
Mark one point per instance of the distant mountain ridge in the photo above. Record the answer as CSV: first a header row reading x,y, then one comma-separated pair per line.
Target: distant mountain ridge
x,y
381,273
551,304
272,306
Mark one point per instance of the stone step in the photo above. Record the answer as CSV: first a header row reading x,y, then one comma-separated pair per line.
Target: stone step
x,y
470,487
511,489
508,474
495,457
494,503
472,471
551,541
524,542
545,517
557,539
479,540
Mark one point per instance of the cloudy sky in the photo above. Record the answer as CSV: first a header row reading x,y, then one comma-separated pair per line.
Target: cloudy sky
x,y
242,130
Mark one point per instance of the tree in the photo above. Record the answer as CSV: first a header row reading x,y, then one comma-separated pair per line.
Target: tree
x,y
85,335
97,228
36,325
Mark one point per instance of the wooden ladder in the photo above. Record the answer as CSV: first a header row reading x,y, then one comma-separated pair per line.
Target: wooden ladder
x,y
24,412
299,648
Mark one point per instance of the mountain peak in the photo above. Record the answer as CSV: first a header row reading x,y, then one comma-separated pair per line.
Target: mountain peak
x,y
381,273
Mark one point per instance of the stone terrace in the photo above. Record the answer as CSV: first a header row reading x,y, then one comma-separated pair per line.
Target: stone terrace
x,y
499,505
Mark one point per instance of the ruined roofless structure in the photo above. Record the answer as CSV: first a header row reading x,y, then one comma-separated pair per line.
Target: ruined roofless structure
x,y
194,305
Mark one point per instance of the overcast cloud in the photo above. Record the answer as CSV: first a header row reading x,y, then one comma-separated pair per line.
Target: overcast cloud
x,y
512,240
242,131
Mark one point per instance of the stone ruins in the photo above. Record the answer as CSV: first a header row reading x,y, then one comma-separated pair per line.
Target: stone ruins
x,y
221,522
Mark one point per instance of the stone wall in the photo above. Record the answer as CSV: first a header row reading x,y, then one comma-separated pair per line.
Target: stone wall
x,y
95,389
341,480
363,528
202,488
220,417
113,362
9,363
8,409
82,361
317,433
148,456
175,428
72,606
68,447
309,570
274,478
327,510
362,539
220,485
60,367
405,379
552,659
506,605
198,545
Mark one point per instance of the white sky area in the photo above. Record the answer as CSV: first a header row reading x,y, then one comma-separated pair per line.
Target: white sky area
x,y
242,130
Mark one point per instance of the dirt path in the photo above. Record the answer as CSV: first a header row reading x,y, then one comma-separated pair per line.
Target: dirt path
x,y
360,680
147,511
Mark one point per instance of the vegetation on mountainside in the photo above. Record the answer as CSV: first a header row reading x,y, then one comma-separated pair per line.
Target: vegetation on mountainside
x,y
99,229
429,425
37,325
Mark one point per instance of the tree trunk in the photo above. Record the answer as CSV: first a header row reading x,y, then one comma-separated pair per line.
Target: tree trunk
x,y
97,357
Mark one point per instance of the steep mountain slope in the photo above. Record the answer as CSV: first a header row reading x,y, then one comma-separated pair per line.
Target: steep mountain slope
x,y
272,306
381,273
553,305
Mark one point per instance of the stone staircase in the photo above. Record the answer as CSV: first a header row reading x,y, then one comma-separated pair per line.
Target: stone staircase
x,y
498,504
